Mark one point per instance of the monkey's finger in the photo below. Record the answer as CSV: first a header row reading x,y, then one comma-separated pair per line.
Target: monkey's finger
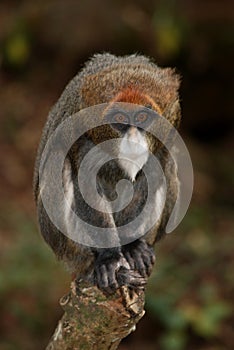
x,y
130,260
135,280
148,256
148,263
140,265
111,274
102,277
153,258
130,278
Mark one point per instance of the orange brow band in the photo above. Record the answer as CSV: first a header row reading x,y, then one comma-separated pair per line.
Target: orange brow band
x,y
133,96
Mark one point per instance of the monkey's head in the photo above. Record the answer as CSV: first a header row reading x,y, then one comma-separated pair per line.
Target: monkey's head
x,y
149,89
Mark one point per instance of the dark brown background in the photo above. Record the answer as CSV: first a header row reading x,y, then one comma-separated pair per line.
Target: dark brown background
x,y
42,46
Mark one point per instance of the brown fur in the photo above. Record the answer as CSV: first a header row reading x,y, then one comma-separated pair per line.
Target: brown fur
x,y
108,79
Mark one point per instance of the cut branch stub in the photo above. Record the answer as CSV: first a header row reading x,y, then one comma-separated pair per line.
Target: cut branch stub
x,y
93,320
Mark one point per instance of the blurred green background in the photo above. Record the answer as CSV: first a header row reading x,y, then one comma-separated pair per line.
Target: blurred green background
x,y
189,299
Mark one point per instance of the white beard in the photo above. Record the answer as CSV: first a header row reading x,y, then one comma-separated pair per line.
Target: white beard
x,y
133,152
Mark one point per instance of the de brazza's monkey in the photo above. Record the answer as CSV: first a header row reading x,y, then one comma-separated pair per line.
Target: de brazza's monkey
x,y
109,79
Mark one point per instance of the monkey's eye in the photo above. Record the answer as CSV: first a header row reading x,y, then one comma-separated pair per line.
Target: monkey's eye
x,y
141,118
120,118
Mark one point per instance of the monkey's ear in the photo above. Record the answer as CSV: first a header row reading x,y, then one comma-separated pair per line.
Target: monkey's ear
x,y
174,78
173,113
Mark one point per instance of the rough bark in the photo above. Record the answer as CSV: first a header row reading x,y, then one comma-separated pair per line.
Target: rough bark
x,y
93,320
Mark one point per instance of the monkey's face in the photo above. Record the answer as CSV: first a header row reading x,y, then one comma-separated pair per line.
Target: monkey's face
x,y
130,124
128,116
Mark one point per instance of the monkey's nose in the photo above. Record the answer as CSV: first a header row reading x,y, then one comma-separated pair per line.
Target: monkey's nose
x,y
132,131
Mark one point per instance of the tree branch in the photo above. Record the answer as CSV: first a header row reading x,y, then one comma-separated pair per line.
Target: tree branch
x,y
93,320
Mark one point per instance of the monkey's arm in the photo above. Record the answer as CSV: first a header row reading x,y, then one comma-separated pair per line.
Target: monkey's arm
x,y
99,266
173,192
140,254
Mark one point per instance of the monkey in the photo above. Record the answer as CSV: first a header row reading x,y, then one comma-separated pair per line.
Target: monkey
x,y
107,79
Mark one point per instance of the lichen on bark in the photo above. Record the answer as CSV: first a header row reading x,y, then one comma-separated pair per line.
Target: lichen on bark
x,y
94,320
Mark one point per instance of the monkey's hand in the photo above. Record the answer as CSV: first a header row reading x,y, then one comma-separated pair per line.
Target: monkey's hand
x,y
140,256
112,271
106,265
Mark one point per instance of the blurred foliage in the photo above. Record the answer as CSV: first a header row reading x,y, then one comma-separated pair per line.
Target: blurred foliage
x,y
16,47
187,299
42,45
27,295
171,29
